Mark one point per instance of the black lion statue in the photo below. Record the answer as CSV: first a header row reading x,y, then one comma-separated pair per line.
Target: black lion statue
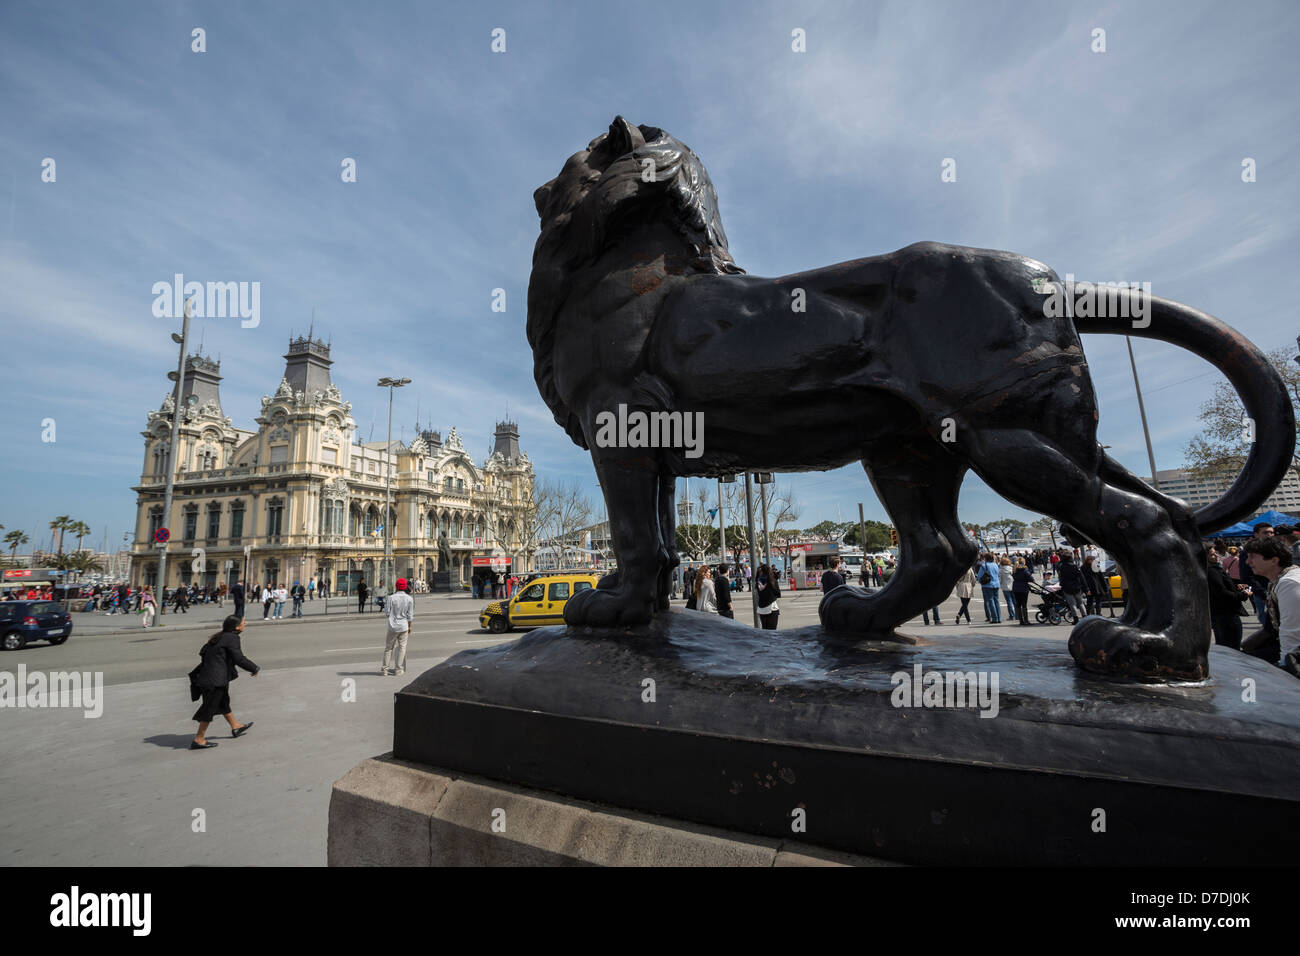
x,y
947,356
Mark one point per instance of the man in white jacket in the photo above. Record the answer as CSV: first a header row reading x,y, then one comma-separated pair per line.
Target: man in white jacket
x,y
400,609
1271,559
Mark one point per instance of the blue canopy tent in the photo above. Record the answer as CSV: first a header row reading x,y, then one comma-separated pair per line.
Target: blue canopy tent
x,y
1245,529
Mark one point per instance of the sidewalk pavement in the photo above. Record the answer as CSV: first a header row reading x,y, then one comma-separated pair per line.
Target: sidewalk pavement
x,y
122,789
210,616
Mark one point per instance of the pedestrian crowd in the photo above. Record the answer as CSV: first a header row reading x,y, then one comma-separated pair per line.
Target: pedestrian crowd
x,y
1265,571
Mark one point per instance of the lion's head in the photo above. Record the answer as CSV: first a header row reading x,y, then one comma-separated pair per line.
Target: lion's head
x,y
629,175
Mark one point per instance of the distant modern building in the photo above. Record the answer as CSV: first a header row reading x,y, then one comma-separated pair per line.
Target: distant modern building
x,y
299,496
1178,483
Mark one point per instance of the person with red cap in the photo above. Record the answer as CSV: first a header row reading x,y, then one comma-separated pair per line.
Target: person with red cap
x,y
401,612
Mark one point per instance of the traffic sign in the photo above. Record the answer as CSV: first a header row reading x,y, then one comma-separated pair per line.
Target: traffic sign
x,y
161,535
763,477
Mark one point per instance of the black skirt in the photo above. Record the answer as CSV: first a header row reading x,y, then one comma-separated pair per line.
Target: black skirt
x,y
216,700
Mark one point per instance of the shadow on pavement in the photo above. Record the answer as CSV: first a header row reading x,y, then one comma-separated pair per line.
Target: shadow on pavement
x,y
173,741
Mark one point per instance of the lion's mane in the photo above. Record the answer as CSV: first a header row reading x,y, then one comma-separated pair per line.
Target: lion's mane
x,y
604,206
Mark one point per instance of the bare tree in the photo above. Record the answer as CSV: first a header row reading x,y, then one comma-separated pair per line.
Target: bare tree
x,y
1220,449
1005,527
520,529
694,527
1050,525
569,513
733,512
782,513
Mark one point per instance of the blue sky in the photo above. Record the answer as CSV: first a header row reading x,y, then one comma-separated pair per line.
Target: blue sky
x,y
225,165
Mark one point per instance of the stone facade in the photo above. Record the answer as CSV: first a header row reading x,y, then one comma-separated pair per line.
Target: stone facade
x,y
298,497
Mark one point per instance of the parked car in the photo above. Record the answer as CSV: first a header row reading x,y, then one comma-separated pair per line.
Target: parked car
x,y
23,621
538,603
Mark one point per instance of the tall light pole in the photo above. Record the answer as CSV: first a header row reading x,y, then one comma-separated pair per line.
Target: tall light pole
x,y
179,376
1146,433
753,564
722,520
390,384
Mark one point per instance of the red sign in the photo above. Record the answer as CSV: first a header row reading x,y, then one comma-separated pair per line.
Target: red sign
x,y
493,562
23,573
161,535
800,547
478,542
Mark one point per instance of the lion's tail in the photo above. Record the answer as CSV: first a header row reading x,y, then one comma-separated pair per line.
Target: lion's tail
x,y
1262,392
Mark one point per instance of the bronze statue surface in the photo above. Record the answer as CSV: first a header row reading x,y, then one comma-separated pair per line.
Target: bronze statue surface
x,y
636,311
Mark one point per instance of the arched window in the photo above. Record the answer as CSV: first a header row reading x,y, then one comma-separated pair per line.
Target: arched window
x,y
456,527
443,530
429,527
369,526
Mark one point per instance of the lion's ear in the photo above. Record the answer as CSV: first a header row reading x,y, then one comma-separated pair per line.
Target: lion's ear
x,y
624,137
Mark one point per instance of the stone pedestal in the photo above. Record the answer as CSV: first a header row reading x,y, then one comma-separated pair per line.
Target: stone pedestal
x,y
387,812
961,749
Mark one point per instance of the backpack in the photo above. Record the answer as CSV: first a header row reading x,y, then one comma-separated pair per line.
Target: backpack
x,y
986,579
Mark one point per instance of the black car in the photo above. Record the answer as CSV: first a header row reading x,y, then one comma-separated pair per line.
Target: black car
x,y
23,621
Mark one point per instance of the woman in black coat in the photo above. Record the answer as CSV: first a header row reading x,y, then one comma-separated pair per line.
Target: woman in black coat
x,y
1020,579
211,679
768,592
1225,602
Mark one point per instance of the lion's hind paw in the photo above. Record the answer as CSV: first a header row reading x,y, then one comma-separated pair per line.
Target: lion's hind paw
x,y
1106,646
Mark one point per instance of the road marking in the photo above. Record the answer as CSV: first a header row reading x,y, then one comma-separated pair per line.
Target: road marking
x,y
486,640
340,650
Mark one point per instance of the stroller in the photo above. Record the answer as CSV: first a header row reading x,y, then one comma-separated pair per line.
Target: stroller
x,y
1054,609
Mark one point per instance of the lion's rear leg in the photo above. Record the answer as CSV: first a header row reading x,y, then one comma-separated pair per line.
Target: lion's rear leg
x,y
918,484
1165,631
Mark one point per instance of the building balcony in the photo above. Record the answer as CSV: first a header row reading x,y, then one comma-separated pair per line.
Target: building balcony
x,y
362,542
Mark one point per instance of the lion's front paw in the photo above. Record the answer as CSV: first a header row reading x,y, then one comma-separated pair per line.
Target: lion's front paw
x,y
1107,646
607,608
853,609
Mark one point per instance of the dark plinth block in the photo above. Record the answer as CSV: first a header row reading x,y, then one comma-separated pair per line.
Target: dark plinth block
x,y
747,727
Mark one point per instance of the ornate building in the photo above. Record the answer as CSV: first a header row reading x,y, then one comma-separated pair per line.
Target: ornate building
x,y
300,497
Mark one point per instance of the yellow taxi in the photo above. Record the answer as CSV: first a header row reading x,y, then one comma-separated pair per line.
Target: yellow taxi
x,y
538,603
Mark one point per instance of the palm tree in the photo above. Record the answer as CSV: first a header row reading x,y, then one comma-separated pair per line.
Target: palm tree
x,y
80,529
83,562
60,524
15,539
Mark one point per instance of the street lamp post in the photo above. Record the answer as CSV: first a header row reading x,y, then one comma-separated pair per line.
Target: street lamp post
x,y
183,340
753,564
390,384
1142,412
